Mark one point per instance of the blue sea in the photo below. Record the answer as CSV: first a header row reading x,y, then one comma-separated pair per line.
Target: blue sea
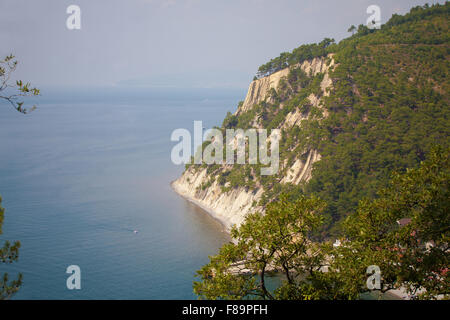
x,y
87,168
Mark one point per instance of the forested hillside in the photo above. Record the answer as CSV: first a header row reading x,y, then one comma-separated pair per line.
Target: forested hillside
x,y
364,158
386,104
389,105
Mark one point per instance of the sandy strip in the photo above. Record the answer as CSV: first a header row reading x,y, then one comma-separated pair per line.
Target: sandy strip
x,y
225,224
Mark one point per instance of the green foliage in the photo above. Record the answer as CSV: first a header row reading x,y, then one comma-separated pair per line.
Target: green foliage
x,y
388,105
298,55
7,67
280,241
403,253
352,29
8,254
276,240
230,121
418,13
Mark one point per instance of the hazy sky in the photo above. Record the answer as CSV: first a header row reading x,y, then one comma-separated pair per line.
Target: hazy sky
x,y
185,43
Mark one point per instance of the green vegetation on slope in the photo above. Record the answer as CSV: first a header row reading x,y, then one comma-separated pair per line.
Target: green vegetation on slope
x,y
388,104
298,55
413,257
385,158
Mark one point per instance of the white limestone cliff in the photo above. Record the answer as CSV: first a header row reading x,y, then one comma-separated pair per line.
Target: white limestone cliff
x,y
232,206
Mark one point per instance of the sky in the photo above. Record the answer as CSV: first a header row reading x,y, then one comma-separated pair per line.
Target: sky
x,y
169,43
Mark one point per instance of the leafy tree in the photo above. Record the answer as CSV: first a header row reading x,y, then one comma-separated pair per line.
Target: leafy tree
x,y
415,255
8,254
13,94
230,121
7,67
298,55
275,241
352,29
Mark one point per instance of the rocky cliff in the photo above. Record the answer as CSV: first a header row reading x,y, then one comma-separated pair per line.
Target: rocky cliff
x,y
231,203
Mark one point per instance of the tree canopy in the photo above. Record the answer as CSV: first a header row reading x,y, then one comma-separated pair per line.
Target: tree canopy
x,y
14,94
412,257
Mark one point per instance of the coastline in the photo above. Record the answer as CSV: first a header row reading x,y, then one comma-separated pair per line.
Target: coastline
x,y
399,294
226,227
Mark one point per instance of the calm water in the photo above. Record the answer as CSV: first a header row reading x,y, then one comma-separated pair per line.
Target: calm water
x,y
79,174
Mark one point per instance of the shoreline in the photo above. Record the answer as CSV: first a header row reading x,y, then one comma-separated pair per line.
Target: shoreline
x,y
209,211
399,294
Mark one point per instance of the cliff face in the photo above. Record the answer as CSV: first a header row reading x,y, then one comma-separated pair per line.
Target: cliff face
x,y
361,108
230,206
259,89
